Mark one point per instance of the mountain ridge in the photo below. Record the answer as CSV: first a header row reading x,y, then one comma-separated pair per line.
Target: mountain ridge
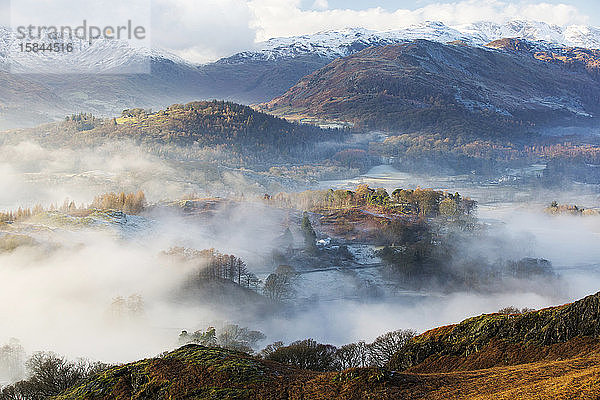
x,y
425,86
341,43
252,77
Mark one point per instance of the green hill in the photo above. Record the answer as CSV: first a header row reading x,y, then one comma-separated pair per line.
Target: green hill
x,y
498,339
216,124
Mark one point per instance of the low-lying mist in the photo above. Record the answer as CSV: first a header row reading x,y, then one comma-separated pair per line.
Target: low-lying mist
x,y
107,294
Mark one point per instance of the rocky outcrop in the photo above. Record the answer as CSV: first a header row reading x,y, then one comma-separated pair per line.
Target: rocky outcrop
x,y
533,330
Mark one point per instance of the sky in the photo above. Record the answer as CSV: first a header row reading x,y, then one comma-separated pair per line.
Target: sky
x,y
205,30
223,27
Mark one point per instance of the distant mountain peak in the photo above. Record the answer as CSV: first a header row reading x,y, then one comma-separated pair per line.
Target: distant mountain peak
x,y
101,56
340,43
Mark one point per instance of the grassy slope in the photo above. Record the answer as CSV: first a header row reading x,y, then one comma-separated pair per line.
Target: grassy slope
x,y
547,354
494,339
195,372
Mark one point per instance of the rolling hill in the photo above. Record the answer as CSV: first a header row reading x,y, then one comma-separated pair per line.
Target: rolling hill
x,y
547,354
218,125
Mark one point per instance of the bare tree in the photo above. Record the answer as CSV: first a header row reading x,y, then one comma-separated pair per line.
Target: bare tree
x,y
386,345
49,375
353,355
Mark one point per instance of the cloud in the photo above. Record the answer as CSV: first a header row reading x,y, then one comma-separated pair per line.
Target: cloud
x,y
274,18
321,5
202,31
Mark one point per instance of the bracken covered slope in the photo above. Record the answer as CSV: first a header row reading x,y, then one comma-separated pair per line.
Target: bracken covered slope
x,y
497,339
548,354
425,86
195,372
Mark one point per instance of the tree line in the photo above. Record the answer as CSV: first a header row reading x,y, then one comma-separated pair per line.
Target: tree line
x,y
129,203
309,354
418,202
212,264
441,153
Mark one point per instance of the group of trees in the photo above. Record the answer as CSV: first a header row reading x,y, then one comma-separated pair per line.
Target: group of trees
x,y
555,209
22,214
129,203
304,354
130,307
462,154
512,310
309,354
419,202
232,337
211,264
353,158
82,121
434,259
49,375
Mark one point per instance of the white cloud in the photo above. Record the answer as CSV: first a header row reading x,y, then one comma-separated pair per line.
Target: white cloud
x,y
321,5
202,30
209,29
273,18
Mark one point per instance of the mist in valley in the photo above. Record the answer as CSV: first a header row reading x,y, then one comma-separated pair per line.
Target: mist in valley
x,y
105,292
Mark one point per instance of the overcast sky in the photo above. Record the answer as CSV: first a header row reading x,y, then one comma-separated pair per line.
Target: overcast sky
x,y
204,30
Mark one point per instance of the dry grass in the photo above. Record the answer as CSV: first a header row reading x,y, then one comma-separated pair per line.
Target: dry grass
x,y
537,355
577,378
196,372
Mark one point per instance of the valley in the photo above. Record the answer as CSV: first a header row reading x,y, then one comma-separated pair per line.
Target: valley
x,y
353,213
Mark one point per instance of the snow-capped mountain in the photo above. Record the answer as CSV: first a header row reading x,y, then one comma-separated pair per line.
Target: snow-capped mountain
x,y
103,78
569,36
101,56
256,76
334,44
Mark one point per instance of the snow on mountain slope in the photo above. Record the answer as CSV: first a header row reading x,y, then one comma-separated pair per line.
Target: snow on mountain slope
x,y
583,36
111,56
101,56
334,44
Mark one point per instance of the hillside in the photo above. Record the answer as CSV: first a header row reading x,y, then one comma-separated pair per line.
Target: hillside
x,y
574,58
566,365
496,339
424,86
207,373
215,123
